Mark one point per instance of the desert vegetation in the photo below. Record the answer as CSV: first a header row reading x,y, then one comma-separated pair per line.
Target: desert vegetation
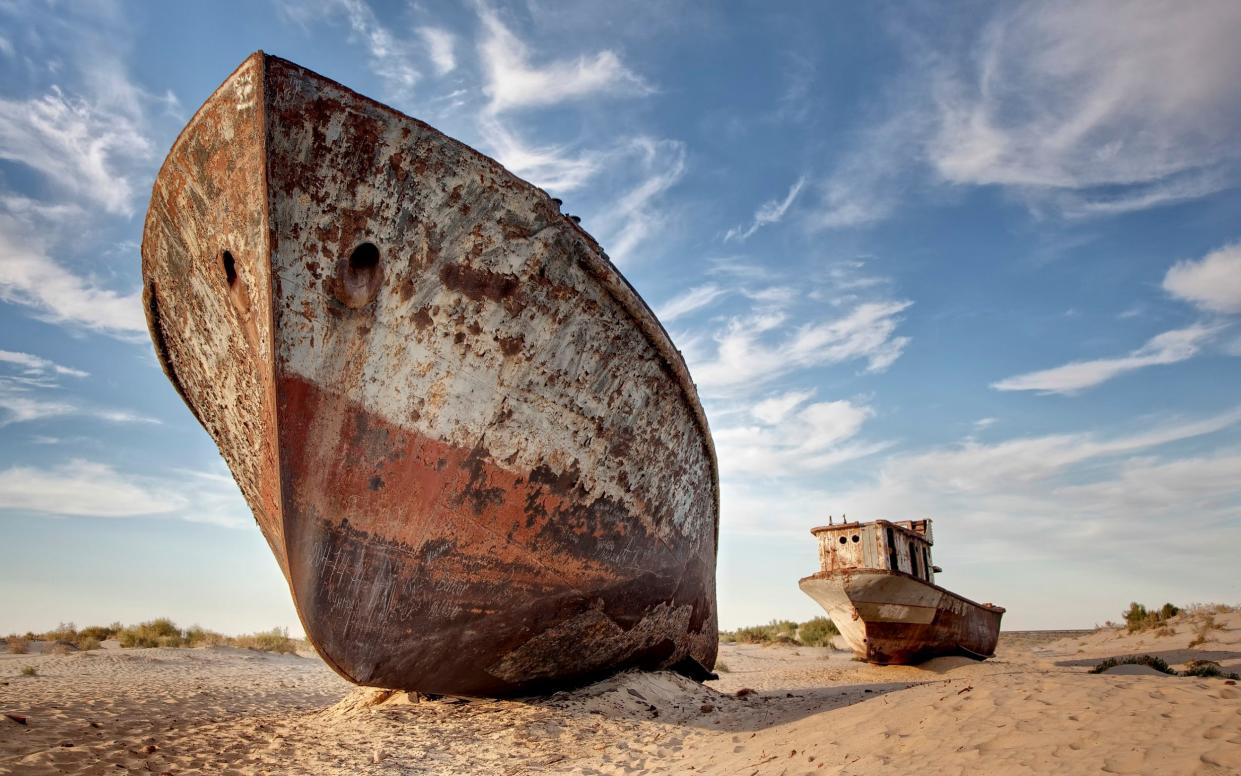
x,y
817,632
1200,668
159,632
1139,618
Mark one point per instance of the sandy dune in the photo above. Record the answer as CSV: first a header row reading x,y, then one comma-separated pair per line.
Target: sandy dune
x,y
1031,709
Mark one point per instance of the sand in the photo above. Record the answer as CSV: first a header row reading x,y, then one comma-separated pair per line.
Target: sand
x,y
1034,708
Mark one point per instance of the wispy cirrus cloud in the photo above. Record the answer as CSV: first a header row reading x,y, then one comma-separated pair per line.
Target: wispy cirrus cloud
x,y
685,303
1170,347
32,278
638,214
785,436
770,212
83,488
1087,103
81,147
390,56
37,365
1212,283
512,82
754,350
440,45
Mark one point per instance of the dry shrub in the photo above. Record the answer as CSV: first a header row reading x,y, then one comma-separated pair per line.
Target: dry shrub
x,y
17,645
100,632
62,648
1139,618
198,636
1157,663
87,643
160,632
274,640
29,671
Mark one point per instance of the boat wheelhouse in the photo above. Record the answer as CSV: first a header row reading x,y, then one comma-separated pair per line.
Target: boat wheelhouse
x,y
877,583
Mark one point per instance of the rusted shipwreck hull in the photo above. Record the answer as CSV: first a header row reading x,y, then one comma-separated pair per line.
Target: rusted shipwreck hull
x,y
877,585
473,450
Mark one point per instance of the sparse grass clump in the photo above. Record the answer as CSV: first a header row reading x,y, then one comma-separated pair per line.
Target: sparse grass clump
x,y
275,640
100,632
29,671
1208,668
813,633
1139,618
1157,663
87,643
817,632
160,632
721,667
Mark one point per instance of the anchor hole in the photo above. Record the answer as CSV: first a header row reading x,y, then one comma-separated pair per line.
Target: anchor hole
x,y
230,268
364,257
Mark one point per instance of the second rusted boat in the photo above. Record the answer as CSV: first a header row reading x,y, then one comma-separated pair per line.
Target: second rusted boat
x,y
877,584
473,450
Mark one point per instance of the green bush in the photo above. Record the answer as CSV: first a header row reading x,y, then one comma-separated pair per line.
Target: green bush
x,y
1157,663
1207,668
274,640
813,633
100,632
817,632
1139,618
160,632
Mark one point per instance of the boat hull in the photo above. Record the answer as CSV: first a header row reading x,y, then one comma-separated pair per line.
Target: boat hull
x,y
476,455
892,618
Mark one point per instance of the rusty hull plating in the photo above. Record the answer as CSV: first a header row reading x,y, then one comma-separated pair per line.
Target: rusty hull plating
x,y
473,450
877,584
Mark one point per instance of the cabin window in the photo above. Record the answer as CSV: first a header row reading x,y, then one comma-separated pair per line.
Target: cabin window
x,y
892,564
913,562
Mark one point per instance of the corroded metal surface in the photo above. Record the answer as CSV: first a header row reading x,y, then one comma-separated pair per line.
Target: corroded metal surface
x,y
877,584
476,454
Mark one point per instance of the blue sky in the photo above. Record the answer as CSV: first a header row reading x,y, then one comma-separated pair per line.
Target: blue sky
x,y
975,262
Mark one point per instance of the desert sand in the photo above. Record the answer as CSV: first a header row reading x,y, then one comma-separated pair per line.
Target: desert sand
x,y
1034,708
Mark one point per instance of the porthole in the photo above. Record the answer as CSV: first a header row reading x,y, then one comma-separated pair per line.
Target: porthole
x,y
855,538
843,540
359,276
230,268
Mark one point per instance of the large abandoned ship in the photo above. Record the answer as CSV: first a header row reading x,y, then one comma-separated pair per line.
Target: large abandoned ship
x,y
877,583
476,455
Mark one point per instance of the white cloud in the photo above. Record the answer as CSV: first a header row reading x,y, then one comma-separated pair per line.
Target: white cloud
x,y
1212,283
774,409
1169,347
637,215
785,437
83,488
770,212
551,167
745,358
38,365
1126,104
439,43
81,147
32,394
513,83
80,488
31,278
390,57
683,304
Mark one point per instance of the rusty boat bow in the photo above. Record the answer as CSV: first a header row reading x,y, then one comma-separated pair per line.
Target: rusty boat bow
x,y
473,450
